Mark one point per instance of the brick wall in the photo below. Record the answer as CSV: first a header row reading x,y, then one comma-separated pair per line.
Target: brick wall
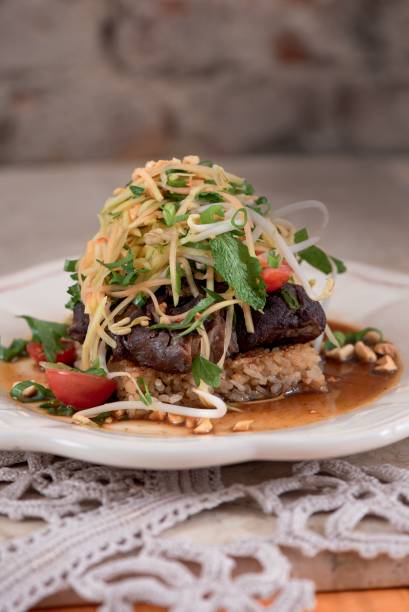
x,y
141,78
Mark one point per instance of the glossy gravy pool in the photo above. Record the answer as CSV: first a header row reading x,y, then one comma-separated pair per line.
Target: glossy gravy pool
x,y
351,385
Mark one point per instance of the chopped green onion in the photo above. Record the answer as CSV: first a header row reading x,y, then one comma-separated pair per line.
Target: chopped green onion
x,y
136,190
239,224
41,392
273,259
210,214
290,298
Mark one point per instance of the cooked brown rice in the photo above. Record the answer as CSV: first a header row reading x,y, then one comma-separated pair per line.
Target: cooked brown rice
x,y
262,373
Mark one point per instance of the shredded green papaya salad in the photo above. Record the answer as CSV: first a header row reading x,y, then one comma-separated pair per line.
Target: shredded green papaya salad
x,y
177,224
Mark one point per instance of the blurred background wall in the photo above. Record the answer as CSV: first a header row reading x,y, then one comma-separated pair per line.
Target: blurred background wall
x,y
144,78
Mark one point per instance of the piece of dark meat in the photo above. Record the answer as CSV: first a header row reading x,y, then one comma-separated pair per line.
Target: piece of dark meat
x,y
279,325
78,330
161,349
164,350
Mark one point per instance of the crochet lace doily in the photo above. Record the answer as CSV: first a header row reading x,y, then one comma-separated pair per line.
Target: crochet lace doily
x,y
103,533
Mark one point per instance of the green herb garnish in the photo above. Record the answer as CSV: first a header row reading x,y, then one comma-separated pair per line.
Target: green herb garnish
x,y
123,271
140,299
290,298
101,418
143,391
261,205
273,259
75,292
70,265
49,334
209,196
42,393
239,224
211,214
316,257
16,349
169,214
239,269
56,408
136,190
201,306
176,181
203,369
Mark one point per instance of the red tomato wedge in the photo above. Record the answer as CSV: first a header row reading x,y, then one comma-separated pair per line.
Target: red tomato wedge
x,y
78,389
275,278
67,355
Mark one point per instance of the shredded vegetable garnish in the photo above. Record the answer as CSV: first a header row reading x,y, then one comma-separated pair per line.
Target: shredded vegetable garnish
x,y
186,223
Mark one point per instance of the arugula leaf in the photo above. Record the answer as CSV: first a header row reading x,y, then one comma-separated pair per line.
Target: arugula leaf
x,y
203,369
42,393
290,298
273,259
209,196
49,334
16,349
210,214
70,265
234,263
136,190
316,257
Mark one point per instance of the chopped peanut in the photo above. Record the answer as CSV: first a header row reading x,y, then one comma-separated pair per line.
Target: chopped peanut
x,y
29,391
345,353
385,348
176,419
190,422
385,365
205,426
365,353
157,415
244,425
372,337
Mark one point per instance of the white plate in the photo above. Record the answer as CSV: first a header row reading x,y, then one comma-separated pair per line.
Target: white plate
x,y
365,296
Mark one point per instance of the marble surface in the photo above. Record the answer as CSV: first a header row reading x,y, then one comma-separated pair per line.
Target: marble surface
x,y
49,212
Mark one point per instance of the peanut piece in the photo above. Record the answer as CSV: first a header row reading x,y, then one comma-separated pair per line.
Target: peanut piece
x,y
190,422
205,426
29,391
345,353
385,348
372,337
385,365
244,425
365,353
157,415
176,419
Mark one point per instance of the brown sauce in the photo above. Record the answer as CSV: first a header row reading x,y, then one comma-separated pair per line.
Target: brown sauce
x,y
351,385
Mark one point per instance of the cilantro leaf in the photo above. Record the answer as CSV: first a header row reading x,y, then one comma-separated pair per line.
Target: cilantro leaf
x,y
234,263
203,369
49,334
75,292
16,349
123,271
290,298
316,257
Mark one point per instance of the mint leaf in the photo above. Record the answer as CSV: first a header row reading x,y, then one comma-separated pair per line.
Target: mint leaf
x,y
203,369
16,349
234,263
49,334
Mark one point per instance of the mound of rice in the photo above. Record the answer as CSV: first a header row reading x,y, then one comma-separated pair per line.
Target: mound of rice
x,y
262,373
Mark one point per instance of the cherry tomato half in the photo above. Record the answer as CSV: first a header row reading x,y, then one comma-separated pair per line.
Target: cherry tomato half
x,y
78,389
275,278
67,354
